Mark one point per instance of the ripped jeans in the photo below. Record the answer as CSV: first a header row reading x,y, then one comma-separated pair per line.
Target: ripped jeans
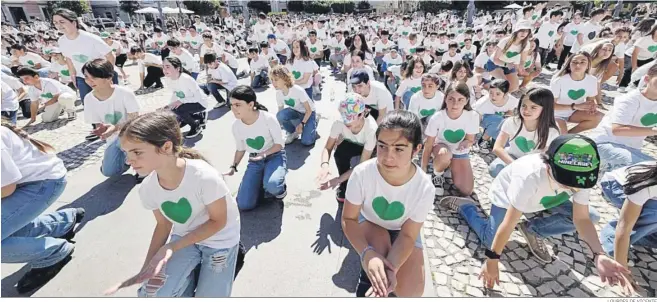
x,y
195,271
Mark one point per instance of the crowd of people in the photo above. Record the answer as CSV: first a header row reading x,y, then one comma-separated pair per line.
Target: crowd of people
x,y
424,92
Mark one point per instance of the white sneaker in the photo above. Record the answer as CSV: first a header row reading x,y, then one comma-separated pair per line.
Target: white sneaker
x,y
72,115
290,138
220,104
621,89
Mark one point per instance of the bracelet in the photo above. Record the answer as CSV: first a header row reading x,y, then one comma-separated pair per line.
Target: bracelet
x,y
595,255
362,254
324,163
492,255
234,167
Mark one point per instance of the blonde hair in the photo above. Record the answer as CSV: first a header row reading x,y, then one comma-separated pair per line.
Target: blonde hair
x,y
281,72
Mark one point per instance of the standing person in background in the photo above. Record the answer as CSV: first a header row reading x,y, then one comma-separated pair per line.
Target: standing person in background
x,y
568,38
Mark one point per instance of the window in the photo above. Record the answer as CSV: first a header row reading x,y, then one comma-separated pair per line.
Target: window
x,y
109,15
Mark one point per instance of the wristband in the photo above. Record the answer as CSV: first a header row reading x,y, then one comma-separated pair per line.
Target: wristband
x,y
492,255
595,255
365,250
324,163
234,167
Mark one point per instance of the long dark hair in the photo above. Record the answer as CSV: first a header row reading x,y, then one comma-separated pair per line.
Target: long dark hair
x,y
407,122
644,26
460,88
410,66
544,98
457,66
602,67
156,128
566,67
247,94
363,46
639,177
305,55
69,15
42,146
513,38
177,64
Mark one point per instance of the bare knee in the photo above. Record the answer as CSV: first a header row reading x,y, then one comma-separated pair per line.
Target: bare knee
x,y
410,290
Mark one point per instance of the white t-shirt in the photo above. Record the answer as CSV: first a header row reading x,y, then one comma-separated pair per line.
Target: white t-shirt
x,y
485,106
316,48
30,59
571,30
525,185
279,47
336,46
300,67
149,59
632,109
379,97
589,30
230,60
49,88
187,60
366,137
261,30
295,99
113,110
512,55
160,41
224,74
469,54
451,132
407,84
423,107
639,198
216,48
568,91
195,42
258,65
86,47
525,142
186,90
382,47
546,34
481,61
9,98
186,205
116,47
22,162
62,72
386,205
647,48
390,61
447,57
259,136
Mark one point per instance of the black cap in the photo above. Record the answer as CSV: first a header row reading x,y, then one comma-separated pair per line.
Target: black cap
x,y
359,76
574,161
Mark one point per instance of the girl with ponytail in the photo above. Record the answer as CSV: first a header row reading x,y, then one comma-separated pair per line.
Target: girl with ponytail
x,y
32,180
258,133
188,100
198,223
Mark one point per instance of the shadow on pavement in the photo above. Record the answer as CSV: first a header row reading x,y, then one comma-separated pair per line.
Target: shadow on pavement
x,y
329,227
191,142
76,155
8,289
347,277
262,224
104,198
216,114
297,154
31,130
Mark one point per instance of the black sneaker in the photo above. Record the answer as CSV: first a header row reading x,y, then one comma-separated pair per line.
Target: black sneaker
x,y
339,194
92,137
194,132
484,146
79,215
38,277
282,195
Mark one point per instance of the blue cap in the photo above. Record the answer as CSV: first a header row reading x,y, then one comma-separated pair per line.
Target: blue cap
x,y
271,36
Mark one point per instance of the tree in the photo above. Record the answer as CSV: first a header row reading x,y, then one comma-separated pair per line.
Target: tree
x,y
261,6
295,6
129,6
203,7
364,5
434,7
342,7
79,7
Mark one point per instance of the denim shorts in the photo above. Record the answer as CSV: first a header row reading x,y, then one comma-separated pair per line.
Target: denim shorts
x,y
490,66
395,233
461,156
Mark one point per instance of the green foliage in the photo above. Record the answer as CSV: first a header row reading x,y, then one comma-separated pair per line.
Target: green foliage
x,y
363,5
203,8
79,6
129,6
260,6
343,7
295,6
317,7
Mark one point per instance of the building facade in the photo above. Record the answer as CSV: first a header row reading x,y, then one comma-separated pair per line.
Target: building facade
x,y
14,11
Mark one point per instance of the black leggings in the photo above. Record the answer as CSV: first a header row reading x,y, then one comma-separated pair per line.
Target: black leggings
x,y
345,151
627,74
188,114
564,53
153,76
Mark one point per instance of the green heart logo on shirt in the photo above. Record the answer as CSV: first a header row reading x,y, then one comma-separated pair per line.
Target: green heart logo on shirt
x,y
501,113
534,17
296,74
47,95
313,49
528,63
337,48
65,72
550,33
573,32
290,102
114,49
416,89
113,118
30,62
256,143
591,35
405,33
427,112
652,48
576,94
553,201
194,42
412,50
160,43
80,58
386,210
649,119
511,54
177,211
462,43
180,94
454,136
48,52
524,144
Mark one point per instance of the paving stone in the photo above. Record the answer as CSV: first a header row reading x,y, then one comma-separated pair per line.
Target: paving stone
x,y
580,268
579,257
473,291
527,290
645,257
544,289
566,259
463,278
511,256
564,249
457,285
450,260
459,242
511,288
555,286
577,293
515,277
440,278
565,281
519,265
573,245
531,263
435,262
445,270
475,282
438,233
430,243
443,291
463,269
439,252
522,253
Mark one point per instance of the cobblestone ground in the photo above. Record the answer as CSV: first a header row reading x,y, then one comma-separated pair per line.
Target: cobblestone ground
x,y
453,249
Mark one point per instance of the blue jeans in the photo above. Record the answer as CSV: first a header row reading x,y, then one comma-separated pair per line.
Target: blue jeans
x,y
497,165
613,156
268,174
309,92
560,222
10,115
43,72
194,271
28,236
490,66
259,79
492,124
114,160
84,88
406,98
213,88
194,75
290,119
644,232
7,70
